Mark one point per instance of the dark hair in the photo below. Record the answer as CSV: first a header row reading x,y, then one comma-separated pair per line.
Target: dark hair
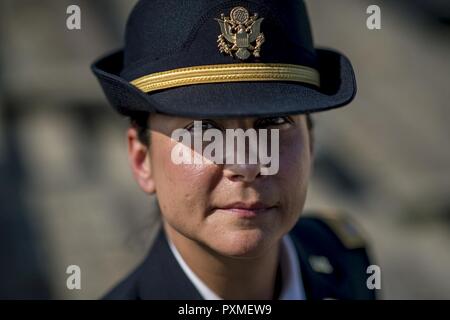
x,y
139,121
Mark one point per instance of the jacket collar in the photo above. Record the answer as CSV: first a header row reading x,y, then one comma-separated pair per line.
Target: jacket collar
x,y
316,286
163,278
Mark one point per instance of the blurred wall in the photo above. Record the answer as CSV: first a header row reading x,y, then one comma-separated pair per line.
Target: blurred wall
x,y
68,197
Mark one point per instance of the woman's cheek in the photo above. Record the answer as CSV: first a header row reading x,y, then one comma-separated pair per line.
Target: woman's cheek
x,y
295,166
295,160
188,185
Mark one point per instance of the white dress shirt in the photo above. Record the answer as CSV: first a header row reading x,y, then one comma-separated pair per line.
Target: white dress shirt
x,y
292,285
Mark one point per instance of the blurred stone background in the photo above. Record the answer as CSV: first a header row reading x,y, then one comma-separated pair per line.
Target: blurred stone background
x,y
68,197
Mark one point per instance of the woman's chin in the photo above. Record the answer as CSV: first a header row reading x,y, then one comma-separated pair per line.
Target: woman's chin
x,y
243,243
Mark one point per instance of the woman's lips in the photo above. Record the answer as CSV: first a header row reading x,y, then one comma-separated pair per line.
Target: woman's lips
x,y
247,210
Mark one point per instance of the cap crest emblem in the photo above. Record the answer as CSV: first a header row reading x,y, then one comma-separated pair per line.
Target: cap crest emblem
x,y
241,37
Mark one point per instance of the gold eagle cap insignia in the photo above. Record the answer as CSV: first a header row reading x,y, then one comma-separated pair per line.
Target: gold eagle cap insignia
x,y
241,37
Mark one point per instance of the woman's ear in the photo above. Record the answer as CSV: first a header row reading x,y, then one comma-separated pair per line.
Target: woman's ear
x,y
140,162
311,143
312,154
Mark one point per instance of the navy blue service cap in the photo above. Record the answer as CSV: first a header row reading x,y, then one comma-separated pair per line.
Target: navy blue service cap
x,y
216,58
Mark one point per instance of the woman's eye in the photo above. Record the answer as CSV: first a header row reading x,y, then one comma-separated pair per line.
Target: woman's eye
x,y
203,125
275,121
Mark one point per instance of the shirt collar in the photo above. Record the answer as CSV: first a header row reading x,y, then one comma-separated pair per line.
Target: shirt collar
x,y
292,285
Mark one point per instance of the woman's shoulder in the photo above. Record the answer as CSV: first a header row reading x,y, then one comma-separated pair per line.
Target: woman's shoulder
x,y
334,252
331,226
158,277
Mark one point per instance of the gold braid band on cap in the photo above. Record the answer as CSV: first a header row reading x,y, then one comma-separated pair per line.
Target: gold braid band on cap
x,y
227,73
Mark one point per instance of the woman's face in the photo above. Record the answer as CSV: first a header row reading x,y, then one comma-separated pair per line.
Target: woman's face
x,y
230,208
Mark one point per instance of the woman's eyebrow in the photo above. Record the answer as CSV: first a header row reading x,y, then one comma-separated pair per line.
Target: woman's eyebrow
x,y
249,122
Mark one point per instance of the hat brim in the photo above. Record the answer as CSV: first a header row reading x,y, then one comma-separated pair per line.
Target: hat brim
x,y
237,99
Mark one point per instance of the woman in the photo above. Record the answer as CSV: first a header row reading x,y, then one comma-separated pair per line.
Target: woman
x,y
231,229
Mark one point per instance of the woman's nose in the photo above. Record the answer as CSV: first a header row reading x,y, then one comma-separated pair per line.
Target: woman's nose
x,y
242,172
